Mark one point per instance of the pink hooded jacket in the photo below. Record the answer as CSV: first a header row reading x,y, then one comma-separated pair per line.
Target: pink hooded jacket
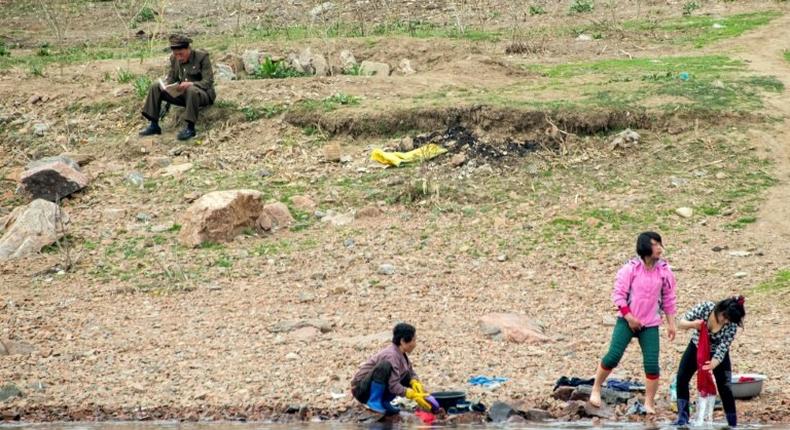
x,y
645,292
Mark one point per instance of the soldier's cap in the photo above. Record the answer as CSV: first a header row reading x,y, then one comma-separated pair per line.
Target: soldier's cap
x,y
179,41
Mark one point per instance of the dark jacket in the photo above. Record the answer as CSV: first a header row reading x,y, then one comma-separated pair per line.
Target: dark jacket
x,y
401,369
197,70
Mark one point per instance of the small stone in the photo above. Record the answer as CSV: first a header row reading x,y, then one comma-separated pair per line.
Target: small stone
x,y
306,297
406,144
143,217
404,67
677,182
386,269
501,258
584,37
264,172
291,356
739,275
346,159
135,179
717,248
740,253
349,243
176,170
458,160
368,212
609,321
332,152
721,175
685,212
40,129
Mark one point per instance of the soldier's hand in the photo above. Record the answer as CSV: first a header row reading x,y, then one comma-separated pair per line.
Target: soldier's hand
x,y
184,85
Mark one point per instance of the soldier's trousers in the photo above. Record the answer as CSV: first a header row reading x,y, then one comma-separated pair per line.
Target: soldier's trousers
x,y
192,99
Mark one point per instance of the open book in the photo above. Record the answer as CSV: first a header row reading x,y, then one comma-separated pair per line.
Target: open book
x,y
171,89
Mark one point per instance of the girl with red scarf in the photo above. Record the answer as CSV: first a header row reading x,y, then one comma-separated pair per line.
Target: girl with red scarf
x,y
721,321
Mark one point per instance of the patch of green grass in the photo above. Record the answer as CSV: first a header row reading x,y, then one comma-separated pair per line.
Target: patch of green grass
x,y
254,113
4,52
689,7
77,54
355,70
275,69
141,85
330,103
415,28
780,282
124,76
536,10
704,30
224,261
712,83
581,6
787,55
741,222
146,14
211,245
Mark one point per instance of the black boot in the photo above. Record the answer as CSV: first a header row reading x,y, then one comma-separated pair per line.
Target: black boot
x,y
188,132
683,413
152,129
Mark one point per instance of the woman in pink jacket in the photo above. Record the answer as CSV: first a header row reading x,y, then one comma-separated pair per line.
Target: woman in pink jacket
x,y
645,287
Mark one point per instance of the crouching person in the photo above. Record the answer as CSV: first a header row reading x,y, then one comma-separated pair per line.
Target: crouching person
x,y
388,374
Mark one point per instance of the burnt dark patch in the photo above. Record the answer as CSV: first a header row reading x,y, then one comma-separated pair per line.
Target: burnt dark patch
x,y
458,138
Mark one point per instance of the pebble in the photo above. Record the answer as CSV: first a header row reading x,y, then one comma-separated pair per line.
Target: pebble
x,y
501,258
143,217
740,275
685,212
386,269
292,356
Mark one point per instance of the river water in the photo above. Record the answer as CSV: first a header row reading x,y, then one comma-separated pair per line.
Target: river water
x,y
329,425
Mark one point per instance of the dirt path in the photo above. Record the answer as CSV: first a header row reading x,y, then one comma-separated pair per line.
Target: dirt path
x,y
763,50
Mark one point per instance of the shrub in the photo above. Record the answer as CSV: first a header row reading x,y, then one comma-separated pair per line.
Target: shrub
x,y
582,6
536,10
141,85
689,7
271,69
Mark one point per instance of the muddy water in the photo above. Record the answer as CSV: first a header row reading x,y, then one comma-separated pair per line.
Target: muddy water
x,y
346,426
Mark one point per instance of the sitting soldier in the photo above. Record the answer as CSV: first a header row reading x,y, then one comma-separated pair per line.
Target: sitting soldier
x,y
189,83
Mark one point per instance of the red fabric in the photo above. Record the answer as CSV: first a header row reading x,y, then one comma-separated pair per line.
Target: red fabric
x,y
625,310
426,417
705,384
746,379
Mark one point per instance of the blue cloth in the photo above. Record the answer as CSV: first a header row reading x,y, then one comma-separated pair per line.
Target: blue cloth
x,y
620,385
486,382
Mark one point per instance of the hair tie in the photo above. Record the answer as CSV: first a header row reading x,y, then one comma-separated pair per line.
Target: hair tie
x,y
740,300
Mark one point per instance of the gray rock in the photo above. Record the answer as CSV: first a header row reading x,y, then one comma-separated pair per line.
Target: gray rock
x,y
685,212
251,59
291,325
54,178
307,62
135,179
500,412
161,228
347,61
48,160
224,73
608,396
29,228
740,275
625,139
321,9
8,391
538,415
677,182
40,129
143,217
372,68
349,243
386,269
404,67
264,172
501,258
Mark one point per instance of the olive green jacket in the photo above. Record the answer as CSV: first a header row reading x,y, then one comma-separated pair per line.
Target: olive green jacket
x,y
197,70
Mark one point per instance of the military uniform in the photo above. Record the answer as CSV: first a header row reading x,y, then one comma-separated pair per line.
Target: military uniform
x,y
196,70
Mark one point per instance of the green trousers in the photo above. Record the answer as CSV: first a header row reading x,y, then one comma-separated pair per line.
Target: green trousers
x,y
648,341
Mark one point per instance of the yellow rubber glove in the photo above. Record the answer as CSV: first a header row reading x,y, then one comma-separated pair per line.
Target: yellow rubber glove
x,y
417,386
419,398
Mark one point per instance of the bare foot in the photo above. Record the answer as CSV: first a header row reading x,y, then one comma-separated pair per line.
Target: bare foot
x,y
595,398
650,408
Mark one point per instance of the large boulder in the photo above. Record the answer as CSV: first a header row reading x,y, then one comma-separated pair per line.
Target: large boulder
x,y
224,72
219,216
372,68
309,63
29,228
251,60
347,61
53,178
512,328
279,214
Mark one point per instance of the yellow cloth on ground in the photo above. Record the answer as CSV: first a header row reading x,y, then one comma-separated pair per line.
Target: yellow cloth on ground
x,y
422,153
